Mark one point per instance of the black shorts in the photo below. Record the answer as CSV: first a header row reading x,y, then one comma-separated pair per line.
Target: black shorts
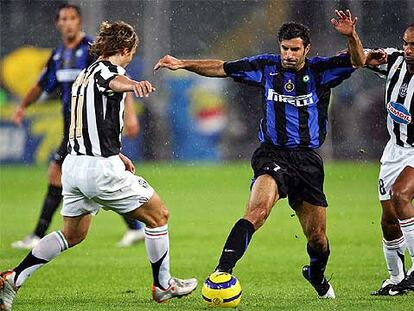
x,y
60,154
298,173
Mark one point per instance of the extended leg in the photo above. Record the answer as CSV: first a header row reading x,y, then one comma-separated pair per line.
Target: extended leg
x,y
263,196
155,216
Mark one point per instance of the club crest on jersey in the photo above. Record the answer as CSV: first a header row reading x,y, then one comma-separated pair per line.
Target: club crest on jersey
x,y
403,90
289,86
305,78
79,53
399,113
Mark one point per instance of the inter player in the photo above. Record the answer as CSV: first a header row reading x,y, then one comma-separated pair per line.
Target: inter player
x,y
96,175
65,63
396,178
296,93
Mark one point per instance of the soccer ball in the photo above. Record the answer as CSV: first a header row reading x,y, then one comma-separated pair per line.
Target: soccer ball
x,y
222,290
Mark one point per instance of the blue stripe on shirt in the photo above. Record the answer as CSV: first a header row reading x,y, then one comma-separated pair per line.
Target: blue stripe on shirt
x,y
313,122
291,113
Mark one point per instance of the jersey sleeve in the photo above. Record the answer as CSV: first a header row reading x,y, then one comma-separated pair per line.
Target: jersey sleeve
x,y
333,70
246,70
48,80
106,75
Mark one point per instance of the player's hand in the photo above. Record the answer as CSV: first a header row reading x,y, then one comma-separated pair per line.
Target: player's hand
x,y
376,57
143,88
129,166
169,62
18,115
344,23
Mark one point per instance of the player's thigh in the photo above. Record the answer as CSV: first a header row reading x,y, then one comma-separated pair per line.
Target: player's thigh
x,y
153,213
76,228
55,173
405,182
263,196
312,219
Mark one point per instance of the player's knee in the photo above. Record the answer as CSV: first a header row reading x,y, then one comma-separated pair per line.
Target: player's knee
x,y
400,196
258,213
158,219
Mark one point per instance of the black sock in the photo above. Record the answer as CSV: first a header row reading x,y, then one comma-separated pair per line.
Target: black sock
x,y
50,205
28,262
236,245
132,224
318,262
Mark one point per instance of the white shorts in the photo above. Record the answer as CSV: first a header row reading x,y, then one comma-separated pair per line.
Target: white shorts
x,y
394,159
90,183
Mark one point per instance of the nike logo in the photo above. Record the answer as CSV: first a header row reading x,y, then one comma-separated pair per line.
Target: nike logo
x,y
393,293
226,250
273,73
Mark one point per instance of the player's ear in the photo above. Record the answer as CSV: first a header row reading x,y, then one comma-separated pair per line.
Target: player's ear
x,y
307,49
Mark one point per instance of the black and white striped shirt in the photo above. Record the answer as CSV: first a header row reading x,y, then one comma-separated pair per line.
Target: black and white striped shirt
x,y
96,112
399,98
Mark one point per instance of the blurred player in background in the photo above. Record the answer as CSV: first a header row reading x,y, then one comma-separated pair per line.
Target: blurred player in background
x,y
96,175
296,93
396,178
65,63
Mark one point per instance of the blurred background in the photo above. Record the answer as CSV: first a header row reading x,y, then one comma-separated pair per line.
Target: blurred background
x,y
191,118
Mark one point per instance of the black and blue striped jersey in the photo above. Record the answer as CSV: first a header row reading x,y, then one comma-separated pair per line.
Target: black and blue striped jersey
x,y
62,68
295,103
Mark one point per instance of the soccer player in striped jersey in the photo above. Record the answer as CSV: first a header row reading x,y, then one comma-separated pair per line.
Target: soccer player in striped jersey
x,y
62,68
396,178
96,175
295,95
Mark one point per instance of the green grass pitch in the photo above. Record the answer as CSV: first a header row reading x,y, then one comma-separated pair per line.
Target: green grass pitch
x,y
204,202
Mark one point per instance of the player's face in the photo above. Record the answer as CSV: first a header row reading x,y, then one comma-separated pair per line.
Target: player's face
x,y
127,56
408,46
69,23
293,53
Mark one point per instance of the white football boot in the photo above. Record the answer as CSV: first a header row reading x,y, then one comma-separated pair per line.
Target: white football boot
x,y
178,288
28,242
131,237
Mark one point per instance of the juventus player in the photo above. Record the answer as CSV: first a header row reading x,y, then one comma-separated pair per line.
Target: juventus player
x,y
64,64
96,175
396,179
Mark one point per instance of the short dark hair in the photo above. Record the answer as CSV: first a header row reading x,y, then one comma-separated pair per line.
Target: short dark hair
x,y
68,6
293,30
113,38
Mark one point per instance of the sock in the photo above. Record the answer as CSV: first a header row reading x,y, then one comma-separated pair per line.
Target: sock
x,y
50,205
157,245
407,228
394,257
132,224
48,248
236,244
318,262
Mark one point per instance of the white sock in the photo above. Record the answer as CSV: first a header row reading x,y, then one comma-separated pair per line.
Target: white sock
x,y
157,245
407,228
48,248
394,256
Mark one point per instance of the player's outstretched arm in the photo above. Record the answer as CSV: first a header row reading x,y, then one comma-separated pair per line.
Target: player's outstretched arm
x,y
31,96
345,25
204,67
122,84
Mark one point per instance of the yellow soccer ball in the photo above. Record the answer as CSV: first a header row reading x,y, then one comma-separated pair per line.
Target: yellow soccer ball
x,y
222,290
